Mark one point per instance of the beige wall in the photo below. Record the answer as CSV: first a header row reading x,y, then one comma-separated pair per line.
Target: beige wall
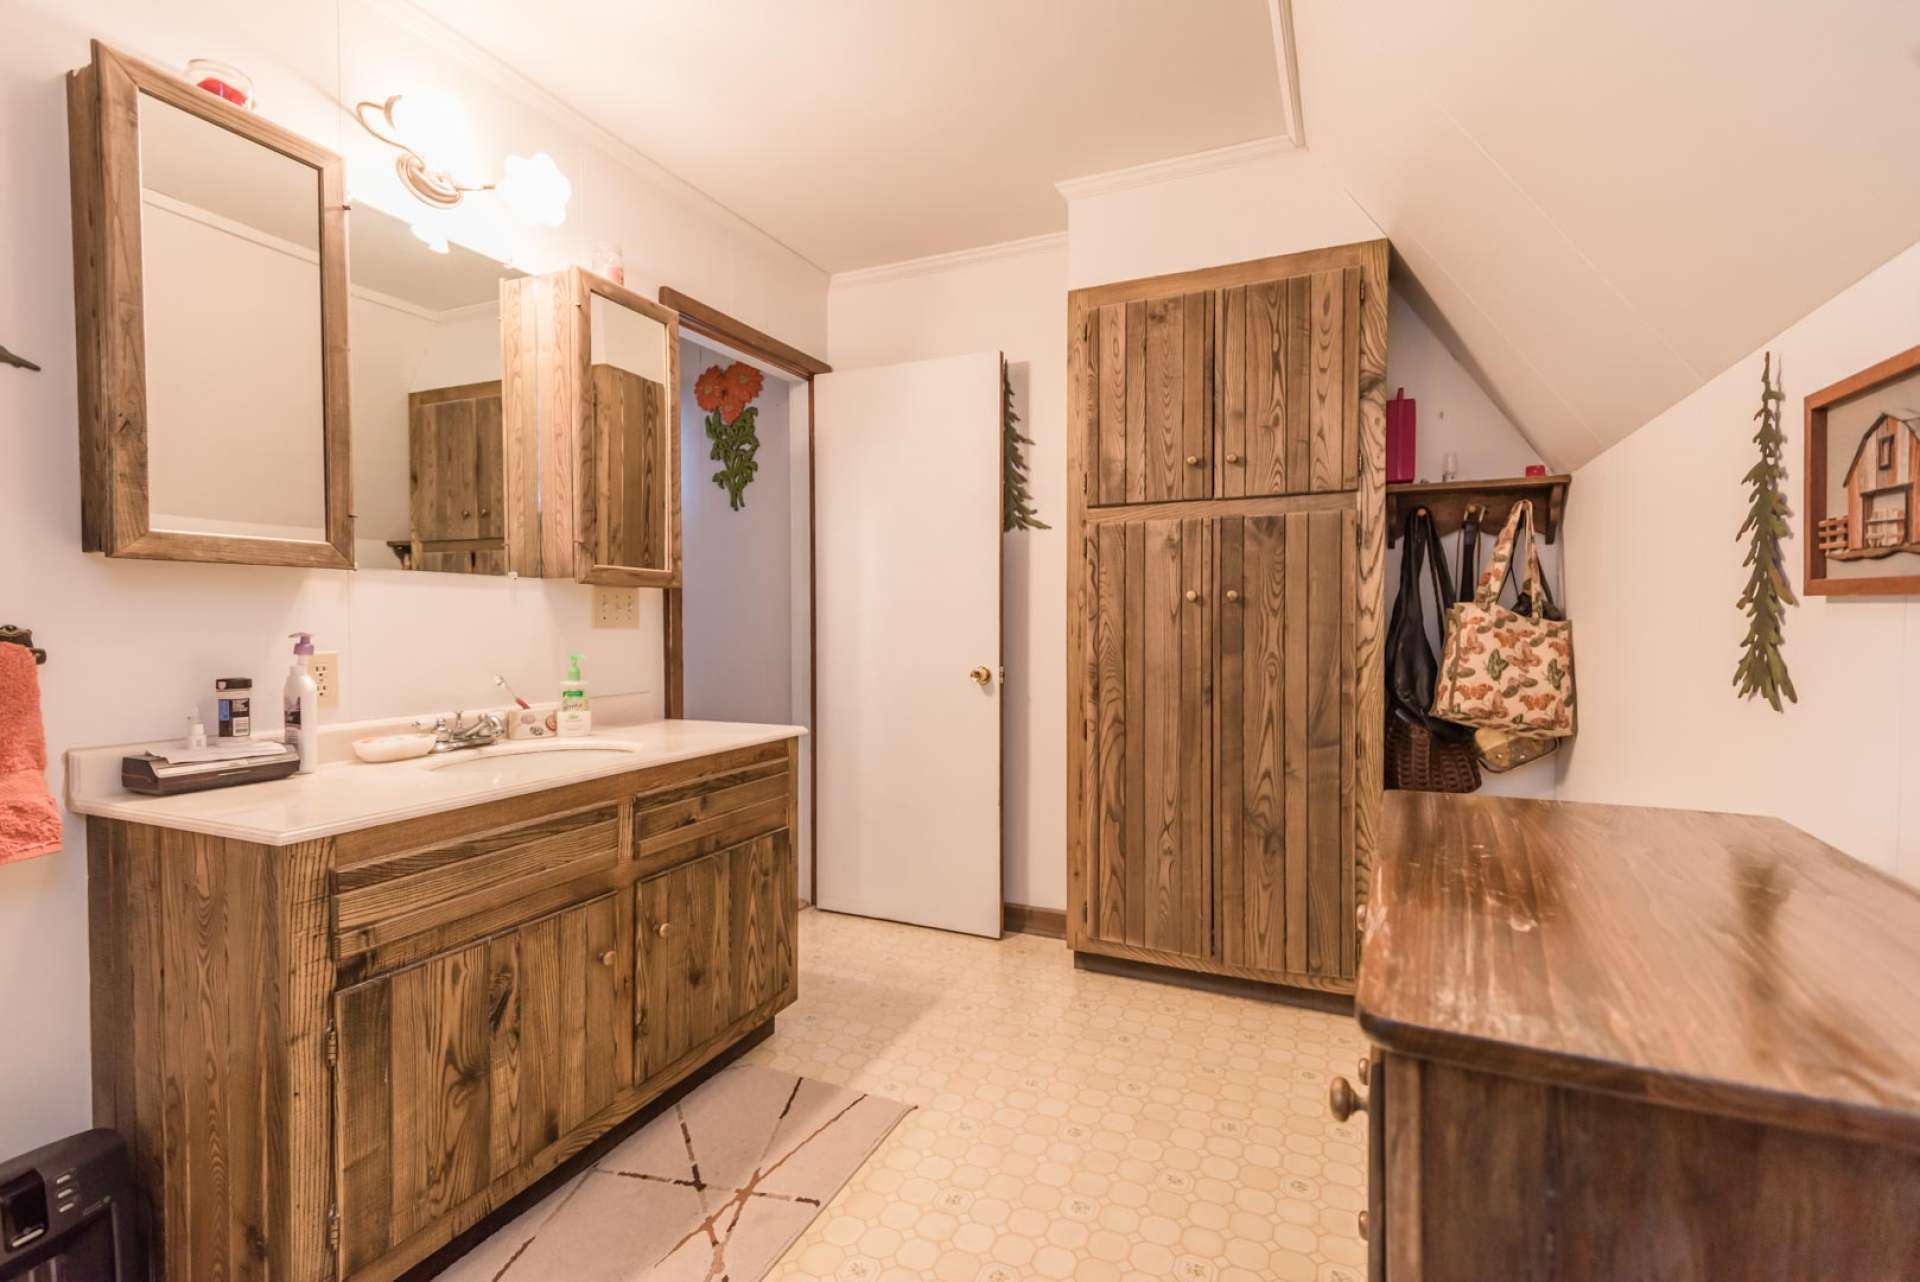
x,y
1655,570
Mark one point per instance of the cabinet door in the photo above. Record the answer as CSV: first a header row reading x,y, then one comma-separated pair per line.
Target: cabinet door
x,y
1290,385
1149,400
716,944
1150,793
460,1069
1286,742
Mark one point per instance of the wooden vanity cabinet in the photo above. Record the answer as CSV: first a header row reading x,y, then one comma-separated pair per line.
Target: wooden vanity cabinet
x,y
1227,432
332,1057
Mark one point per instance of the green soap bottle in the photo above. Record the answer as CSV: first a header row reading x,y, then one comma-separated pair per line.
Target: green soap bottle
x,y
576,720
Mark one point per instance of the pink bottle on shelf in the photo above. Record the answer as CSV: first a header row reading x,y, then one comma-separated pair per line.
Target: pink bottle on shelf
x,y
1400,438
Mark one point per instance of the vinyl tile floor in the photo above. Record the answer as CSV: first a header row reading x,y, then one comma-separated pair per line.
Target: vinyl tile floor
x,y
1068,1125
1065,1125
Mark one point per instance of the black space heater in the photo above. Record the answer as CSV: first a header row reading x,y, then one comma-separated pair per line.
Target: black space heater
x,y
67,1213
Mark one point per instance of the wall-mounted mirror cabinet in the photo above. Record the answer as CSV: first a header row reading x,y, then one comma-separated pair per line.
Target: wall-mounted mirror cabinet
x,y
210,282
437,485
592,370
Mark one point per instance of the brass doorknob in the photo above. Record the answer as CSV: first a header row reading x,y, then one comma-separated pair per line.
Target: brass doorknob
x,y
1233,594
661,929
981,675
1193,460
1342,1100
1192,595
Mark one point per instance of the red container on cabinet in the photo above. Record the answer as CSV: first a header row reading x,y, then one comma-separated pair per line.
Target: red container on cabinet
x,y
1400,438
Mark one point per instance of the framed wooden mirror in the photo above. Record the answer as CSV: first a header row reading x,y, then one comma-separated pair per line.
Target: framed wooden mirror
x,y
593,369
210,285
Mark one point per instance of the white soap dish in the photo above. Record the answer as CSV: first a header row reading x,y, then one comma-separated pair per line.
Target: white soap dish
x,y
392,747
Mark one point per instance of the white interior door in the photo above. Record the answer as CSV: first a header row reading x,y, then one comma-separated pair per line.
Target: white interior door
x,y
907,530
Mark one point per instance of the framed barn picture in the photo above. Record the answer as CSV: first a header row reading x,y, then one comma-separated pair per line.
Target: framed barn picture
x,y
1863,482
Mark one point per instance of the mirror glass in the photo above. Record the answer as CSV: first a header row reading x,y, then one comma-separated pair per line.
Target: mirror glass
x,y
628,364
429,456
230,256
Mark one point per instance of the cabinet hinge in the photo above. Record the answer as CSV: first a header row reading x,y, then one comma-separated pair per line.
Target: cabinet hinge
x,y
332,1045
1363,289
333,1228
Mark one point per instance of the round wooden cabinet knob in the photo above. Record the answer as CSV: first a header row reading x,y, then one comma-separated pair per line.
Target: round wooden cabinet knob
x,y
1192,595
661,929
1193,460
1233,458
1362,1218
1233,594
1342,1100
606,958
464,512
1366,1070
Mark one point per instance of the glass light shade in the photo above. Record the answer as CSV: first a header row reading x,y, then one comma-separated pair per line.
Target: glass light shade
x,y
433,125
535,190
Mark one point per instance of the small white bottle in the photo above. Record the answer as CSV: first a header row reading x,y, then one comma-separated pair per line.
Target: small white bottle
x,y
301,707
575,720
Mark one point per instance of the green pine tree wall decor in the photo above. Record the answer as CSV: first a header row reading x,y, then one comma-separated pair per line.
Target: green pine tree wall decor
x,y
1017,511
1761,669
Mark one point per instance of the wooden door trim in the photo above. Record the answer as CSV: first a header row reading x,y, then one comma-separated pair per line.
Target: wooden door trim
x,y
704,321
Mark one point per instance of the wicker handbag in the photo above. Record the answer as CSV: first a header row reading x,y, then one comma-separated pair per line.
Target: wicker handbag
x,y
1423,754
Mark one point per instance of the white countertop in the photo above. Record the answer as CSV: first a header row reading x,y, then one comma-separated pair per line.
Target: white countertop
x,y
348,795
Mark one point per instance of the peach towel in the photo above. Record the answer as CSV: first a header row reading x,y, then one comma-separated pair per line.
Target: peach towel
x,y
29,820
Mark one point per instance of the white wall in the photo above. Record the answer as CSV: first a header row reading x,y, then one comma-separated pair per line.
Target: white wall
x,y
739,565
135,644
1014,301
1655,570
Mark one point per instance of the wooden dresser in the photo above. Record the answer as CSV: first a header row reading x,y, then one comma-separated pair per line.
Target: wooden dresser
x,y
1226,445
1615,1043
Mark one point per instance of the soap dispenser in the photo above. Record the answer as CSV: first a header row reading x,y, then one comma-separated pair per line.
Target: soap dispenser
x,y
575,720
302,705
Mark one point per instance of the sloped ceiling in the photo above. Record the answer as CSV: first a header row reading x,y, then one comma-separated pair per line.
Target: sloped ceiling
x,y
1604,205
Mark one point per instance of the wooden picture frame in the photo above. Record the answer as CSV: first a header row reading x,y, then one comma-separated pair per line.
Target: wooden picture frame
x,y
549,391
1840,536
109,320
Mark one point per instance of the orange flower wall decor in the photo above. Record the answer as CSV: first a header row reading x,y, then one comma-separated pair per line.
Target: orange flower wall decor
x,y
727,395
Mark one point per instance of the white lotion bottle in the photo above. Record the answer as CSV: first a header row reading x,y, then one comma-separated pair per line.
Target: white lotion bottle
x,y
302,705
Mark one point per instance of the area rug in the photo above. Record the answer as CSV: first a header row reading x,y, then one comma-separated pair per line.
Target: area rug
x,y
716,1188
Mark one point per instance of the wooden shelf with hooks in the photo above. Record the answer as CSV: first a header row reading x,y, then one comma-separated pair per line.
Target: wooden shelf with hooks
x,y
1449,501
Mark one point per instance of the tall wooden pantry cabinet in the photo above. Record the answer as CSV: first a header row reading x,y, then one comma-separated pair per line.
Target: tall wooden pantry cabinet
x,y
1226,440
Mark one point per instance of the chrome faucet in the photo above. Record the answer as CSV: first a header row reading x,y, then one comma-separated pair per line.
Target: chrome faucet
x,y
451,734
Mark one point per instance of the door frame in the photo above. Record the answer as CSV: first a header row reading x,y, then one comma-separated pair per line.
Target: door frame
x,y
700,320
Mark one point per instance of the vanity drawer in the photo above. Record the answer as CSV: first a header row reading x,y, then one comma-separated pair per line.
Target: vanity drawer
x,y
685,821
415,890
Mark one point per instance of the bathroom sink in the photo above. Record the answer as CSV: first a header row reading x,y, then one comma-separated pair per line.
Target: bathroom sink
x,y
514,763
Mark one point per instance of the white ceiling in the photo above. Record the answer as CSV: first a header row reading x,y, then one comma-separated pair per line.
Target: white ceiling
x,y
1608,204
862,132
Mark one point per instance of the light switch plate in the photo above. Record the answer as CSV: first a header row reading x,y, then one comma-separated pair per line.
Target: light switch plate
x,y
324,668
616,607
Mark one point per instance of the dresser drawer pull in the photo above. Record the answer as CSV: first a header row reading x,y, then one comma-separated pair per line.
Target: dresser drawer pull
x,y
1343,1101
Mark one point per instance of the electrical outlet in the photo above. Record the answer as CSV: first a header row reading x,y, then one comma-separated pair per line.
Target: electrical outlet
x,y
324,668
616,607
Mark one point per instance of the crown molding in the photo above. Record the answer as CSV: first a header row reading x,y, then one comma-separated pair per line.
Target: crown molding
x,y
1160,171
1286,63
531,94
934,263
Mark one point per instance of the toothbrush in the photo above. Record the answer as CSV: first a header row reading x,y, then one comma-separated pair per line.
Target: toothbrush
x,y
502,683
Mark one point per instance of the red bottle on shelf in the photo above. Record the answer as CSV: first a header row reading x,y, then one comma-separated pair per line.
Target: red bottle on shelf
x,y
1400,438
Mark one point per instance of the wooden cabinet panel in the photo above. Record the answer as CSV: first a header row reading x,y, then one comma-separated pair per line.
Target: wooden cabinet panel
x,y
630,456
457,495
1150,795
463,1068
1285,735
1152,409
1289,384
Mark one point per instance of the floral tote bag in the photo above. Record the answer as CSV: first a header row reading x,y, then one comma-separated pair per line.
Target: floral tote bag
x,y
1502,668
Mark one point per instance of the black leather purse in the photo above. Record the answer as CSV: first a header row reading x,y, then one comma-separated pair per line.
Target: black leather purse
x,y
1424,753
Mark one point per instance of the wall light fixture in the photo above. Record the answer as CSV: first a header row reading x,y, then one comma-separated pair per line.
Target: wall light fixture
x,y
435,162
